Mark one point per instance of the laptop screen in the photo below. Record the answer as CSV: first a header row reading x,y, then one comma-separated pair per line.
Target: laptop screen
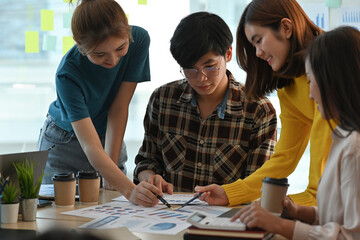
x,y
39,159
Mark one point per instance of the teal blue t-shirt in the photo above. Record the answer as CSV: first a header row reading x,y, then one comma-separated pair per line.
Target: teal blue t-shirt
x,y
86,90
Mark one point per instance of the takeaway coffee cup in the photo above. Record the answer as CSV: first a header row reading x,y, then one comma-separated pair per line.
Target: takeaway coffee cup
x,y
89,186
65,189
273,192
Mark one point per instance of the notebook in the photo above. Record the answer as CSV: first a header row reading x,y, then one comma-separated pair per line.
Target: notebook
x,y
39,159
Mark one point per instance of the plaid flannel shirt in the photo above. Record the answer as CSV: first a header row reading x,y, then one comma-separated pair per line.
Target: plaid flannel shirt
x,y
231,143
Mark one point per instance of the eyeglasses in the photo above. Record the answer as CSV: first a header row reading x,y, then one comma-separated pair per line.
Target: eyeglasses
x,y
191,73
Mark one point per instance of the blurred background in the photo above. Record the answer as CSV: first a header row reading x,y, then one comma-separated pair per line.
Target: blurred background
x,y
35,34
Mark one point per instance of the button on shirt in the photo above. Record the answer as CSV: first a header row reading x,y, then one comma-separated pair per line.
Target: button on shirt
x,y
231,143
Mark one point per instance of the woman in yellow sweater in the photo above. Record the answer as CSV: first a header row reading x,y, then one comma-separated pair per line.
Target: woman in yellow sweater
x,y
272,37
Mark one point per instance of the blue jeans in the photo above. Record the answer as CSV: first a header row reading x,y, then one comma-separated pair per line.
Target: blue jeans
x,y
67,155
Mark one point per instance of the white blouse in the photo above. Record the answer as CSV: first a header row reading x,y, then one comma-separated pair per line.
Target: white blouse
x,y
338,196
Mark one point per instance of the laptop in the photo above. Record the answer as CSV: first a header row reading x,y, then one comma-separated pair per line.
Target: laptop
x,y
38,158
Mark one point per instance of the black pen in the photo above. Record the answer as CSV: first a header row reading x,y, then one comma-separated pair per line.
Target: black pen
x,y
191,200
165,202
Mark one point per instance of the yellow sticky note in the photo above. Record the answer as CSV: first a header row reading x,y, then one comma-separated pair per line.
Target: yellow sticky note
x,y
47,20
68,42
142,2
333,3
31,42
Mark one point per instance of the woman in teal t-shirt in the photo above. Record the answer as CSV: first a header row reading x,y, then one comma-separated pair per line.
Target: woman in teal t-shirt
x,y
95,82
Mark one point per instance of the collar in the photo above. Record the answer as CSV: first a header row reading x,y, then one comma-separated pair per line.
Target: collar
x,y
189,95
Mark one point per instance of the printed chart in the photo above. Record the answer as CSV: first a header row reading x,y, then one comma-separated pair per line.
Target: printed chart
x,y
174,199
140,225
116,209
158,219
350,15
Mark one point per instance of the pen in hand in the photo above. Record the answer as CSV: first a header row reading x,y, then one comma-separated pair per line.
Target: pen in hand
x,y
165,202
191,200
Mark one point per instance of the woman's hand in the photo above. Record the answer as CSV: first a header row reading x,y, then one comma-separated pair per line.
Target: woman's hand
x,y
255,216
144,194
290,209
160,183
213,194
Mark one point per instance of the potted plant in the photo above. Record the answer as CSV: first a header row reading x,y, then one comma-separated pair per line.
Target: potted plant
x,y
10,205
29,189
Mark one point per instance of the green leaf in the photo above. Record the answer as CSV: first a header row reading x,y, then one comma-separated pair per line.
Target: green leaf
x,y
29,188
10,193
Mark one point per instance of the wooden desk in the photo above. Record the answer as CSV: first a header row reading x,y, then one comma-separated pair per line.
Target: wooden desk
x,y
51,217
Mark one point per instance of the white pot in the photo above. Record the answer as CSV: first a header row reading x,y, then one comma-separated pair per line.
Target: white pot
x,y
9,212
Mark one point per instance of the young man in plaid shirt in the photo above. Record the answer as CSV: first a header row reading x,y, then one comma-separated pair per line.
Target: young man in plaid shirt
x,y
201,129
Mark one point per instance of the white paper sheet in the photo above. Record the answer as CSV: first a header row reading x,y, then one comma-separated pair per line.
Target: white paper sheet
x,y
158,219
119,209
318,13
174,199
137,224
350,15
180,216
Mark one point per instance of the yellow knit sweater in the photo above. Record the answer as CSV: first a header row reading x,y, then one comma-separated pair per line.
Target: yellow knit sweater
x,y
300,120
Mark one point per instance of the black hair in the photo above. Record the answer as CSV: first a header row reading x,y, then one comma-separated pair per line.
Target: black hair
x,y
335,62
198,34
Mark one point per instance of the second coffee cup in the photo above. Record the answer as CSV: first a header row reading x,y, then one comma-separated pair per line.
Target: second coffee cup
x,y
65,189
273,192
89,187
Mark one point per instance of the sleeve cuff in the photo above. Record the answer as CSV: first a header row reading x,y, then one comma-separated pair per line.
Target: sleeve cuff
x,y
301,231
238,193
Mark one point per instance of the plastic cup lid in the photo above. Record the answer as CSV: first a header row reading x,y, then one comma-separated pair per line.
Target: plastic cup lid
x,y
87,174
64,177
277,181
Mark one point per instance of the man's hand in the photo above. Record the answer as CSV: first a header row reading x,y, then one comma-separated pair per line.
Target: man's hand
x,y
144,194
160,183
157,180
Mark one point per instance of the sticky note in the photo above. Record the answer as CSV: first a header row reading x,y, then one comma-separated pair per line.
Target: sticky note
x,y
47,20
49,42
333,3
68,42
31,42
67,20
142,2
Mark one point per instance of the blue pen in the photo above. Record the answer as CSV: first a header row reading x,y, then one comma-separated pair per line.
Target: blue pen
x,y
191,200
4,184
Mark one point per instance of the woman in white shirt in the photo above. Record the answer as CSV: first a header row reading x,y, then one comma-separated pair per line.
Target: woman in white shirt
x,y
333,69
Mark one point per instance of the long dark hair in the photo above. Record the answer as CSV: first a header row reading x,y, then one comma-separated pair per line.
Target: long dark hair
x,y
261,79
335,62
